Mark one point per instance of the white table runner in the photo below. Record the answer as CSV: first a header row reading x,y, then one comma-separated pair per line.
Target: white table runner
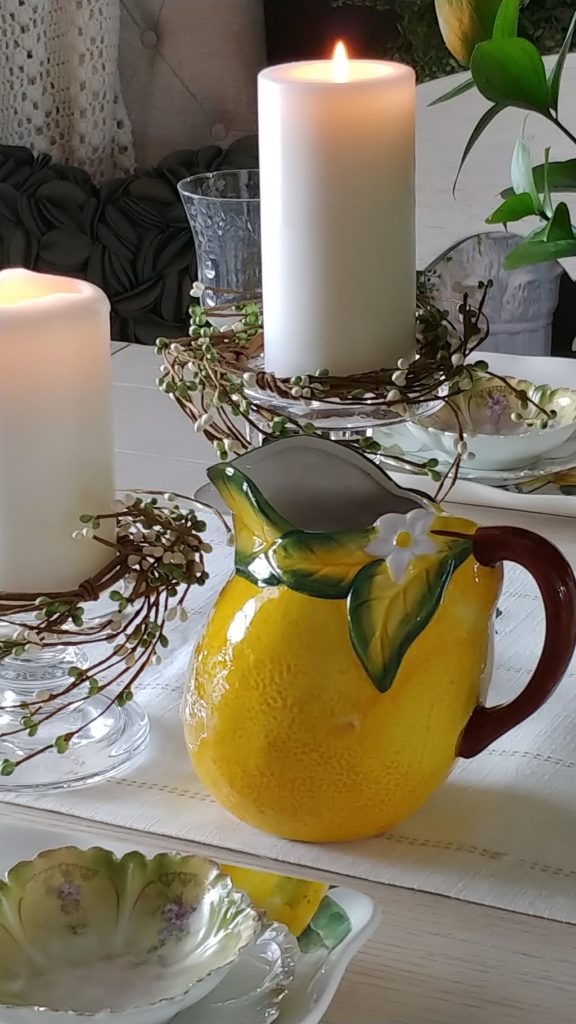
x,y
501,831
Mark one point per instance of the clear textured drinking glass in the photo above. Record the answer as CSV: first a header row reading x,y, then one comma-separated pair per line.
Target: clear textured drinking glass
x,y
223,208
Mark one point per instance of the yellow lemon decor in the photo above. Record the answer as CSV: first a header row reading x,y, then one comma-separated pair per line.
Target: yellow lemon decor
x,y
341,671
291,901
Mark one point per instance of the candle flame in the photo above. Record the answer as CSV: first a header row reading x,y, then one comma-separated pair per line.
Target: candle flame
x,y
340,63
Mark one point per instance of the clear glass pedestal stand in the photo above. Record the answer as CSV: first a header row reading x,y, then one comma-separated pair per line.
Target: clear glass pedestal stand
x,y
108,737
340,421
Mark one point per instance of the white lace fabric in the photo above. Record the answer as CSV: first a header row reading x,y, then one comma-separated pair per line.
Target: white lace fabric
x,y
59,83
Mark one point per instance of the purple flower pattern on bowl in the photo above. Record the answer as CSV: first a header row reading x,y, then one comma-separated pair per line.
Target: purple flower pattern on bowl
x,y
68,895
498,409
175,918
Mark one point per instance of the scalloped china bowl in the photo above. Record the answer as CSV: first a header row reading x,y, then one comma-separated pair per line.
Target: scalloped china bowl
x,y
125,941
492,436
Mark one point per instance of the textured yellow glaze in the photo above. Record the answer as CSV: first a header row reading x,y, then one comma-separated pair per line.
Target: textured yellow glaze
x,y
292,901
287,731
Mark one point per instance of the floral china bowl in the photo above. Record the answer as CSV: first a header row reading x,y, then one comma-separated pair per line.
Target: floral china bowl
x,y
83,933
504,430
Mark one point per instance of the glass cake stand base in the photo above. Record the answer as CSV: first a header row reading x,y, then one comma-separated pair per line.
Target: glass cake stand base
x,y
338,420
107,737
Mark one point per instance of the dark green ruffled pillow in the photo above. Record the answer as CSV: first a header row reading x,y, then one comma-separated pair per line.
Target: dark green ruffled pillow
x,y
130,236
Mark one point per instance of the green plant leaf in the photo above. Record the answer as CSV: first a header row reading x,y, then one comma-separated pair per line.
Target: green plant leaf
x,y
506,20
515,207
559,228
521,172
511,73
257,525
386,617
555,77
320,564
479,129
561,177
464,23
533,251
547,197
459,90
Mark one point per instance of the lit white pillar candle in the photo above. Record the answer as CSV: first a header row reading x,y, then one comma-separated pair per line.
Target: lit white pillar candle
x,y
337,197
56,454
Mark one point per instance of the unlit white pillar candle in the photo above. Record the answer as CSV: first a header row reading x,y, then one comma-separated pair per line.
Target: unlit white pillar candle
x,y
337,196
56,453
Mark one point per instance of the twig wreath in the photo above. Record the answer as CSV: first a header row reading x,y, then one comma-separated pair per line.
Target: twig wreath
x,y
213,378
156,557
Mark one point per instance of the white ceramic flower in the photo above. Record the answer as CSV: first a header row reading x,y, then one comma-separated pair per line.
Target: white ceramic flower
x,y
400,538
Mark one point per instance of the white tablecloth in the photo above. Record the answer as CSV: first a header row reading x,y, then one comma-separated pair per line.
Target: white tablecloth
x,y
501,831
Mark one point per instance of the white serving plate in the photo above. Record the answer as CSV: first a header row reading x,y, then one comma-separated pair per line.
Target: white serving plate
x,y
237,1001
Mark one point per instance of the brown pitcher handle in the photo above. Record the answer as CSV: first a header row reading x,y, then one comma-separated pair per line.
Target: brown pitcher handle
x,y
557,586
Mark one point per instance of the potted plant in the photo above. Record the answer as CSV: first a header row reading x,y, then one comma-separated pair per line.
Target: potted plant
x,y
509,71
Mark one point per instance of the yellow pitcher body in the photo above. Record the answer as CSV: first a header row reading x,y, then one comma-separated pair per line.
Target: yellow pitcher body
x,y
328,694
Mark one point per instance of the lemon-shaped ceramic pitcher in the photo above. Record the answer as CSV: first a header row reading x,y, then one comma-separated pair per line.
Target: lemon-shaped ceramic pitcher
x,y
345,664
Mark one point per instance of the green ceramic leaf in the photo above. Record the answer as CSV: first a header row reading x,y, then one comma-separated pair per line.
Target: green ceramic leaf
x,y
386,617
320,564
257,525
511,73
327,929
